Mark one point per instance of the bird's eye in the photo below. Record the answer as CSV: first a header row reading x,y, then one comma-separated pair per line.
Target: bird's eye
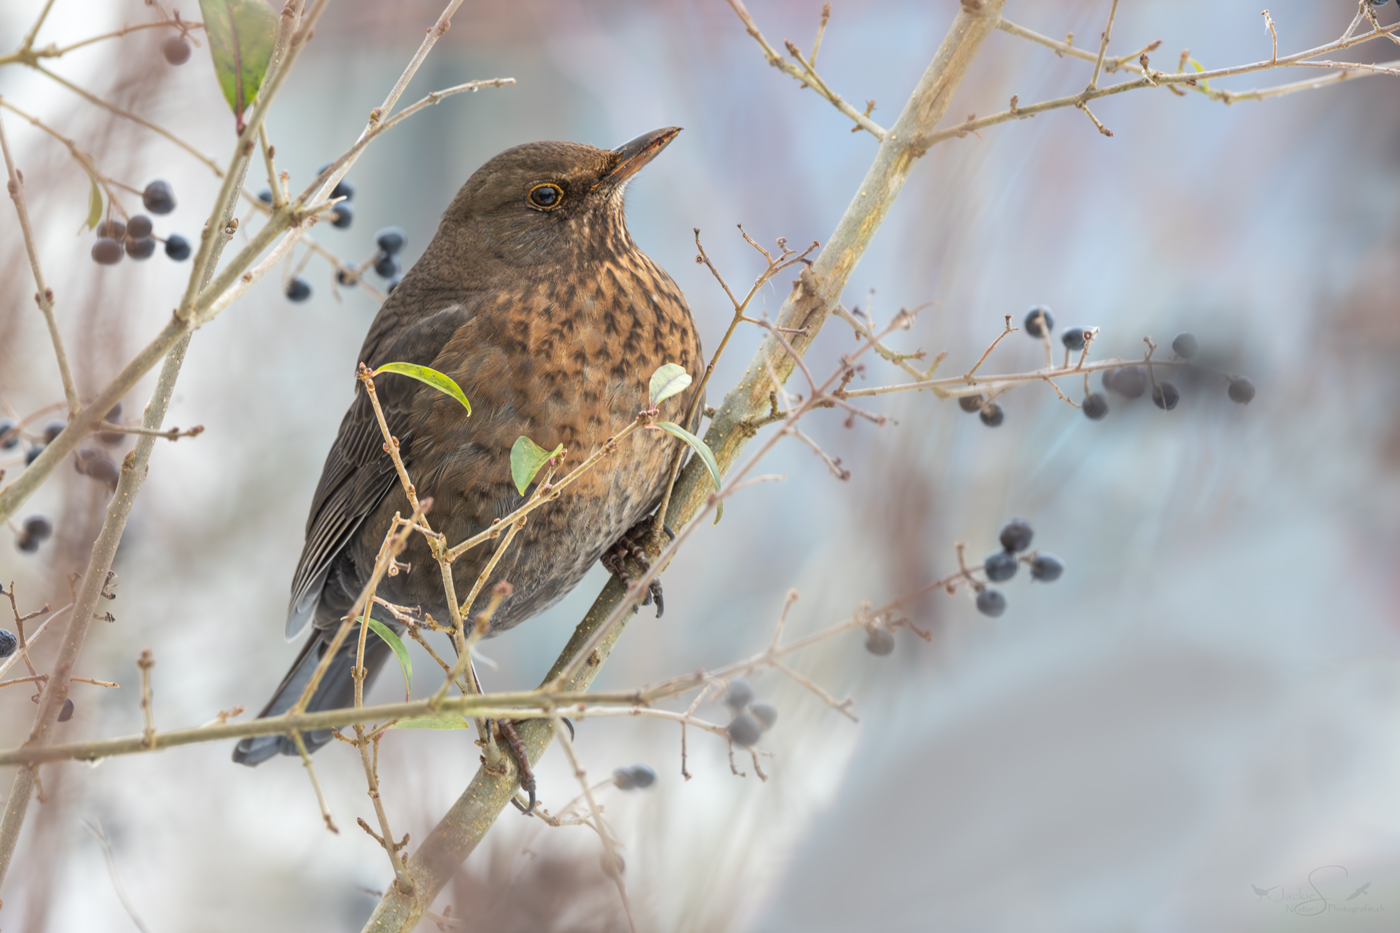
x,y
546,196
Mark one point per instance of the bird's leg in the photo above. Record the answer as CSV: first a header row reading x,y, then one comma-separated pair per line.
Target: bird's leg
x,y
627,546
527,775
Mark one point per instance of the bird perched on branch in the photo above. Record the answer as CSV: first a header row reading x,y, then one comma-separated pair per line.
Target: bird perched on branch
x,y
535,299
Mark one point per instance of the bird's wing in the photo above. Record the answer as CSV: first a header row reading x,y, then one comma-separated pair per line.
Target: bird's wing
x,y
358,474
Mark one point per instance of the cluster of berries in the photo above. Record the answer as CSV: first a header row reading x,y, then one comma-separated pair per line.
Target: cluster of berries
x,y
1130,382
1002,566
136,237
634,778
751,719
35,531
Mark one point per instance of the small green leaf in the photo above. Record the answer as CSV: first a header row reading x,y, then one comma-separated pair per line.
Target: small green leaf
x,y
527,459
428,376
241,37
94,216
396,643
439,720
700,447
667,381
1200,68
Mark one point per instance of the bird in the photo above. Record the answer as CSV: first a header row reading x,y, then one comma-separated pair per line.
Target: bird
x,y
534,298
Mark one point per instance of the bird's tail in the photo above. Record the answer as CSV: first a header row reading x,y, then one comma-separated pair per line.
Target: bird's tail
x,y
336,691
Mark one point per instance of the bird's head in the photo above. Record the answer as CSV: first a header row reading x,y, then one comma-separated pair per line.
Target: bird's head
x,y
547,201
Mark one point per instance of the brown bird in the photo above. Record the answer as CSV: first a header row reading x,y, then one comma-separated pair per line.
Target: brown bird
x,y
535,299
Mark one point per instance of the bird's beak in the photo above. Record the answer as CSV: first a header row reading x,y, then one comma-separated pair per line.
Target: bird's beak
x,y
628,159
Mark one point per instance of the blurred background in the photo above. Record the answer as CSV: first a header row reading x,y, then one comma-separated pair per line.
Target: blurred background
x,y
1204,708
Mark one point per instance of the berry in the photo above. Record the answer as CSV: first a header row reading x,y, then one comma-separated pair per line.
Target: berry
x,y
265,195
143,248
386,266
744,730
971,403
766,713
1095,406
1016,535
1108,376
879,641
113,417
1037,316
1129,382
991,603
98,465
390,240
106,251
158,197
9,434
636,776
38,527
346,277
176,50
1001,566
393,284
66,713
52,430
992,415
298,289
1241,390
138,227
1074,338
739,694
33,453
177,247
1165,396
114,229
1046,568
342,215
26,544
8,643
1185,345
343,189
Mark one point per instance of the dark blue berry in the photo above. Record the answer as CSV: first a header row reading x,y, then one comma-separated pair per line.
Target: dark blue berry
x,y
745,730
9,434
113,229
1074,338
106,251
1095,406
38,527
386,266
1046,568
879,641
971,403
66,713
8,643
1185,345
634,777
1129,382
1165,396
158,198
991,603
177,247
176,50
138,227
393,284
739,694
767,713
390,240
344,188
992,415
298,289
52,430
1016,535
143,248
1241,390
265,195
342,215
1001,566
1039,321
33,453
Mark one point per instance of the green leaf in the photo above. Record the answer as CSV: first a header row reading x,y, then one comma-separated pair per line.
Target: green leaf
x,y
392,639
439,720
241,36
700,447
94,216
527,459
428,376
1200,68
667,381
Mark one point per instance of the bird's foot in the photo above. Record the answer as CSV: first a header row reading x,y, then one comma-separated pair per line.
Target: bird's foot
x,y
517,747
615,557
